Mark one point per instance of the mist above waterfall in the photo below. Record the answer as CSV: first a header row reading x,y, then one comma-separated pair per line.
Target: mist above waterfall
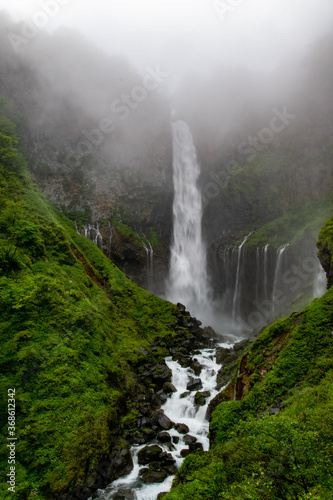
x,y
95,82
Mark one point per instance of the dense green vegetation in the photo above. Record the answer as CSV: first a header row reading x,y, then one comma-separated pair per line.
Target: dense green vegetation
x,y
305,219
71,326
256,454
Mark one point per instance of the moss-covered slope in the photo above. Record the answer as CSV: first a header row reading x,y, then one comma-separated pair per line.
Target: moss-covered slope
x,y
71,327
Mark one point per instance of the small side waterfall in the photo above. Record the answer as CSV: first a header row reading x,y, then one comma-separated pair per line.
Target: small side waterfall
x,y
150,258
253,285
266,269
320,282
247,277
92,231
258,266
237,283
279,263
188,277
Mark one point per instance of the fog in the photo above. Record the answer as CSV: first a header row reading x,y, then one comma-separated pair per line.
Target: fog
x,y
188,35
224,65
95,82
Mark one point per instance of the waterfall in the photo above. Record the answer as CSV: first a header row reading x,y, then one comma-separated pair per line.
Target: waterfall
x,y
320,282
258,272
266,270
187,278
235,301
98,239
150,258
278,267
92,231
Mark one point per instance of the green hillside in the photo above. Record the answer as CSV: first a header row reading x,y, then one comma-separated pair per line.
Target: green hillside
x,y
71,326
271,429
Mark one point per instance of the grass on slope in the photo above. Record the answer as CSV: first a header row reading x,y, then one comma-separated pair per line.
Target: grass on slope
x,y
71,326
285,456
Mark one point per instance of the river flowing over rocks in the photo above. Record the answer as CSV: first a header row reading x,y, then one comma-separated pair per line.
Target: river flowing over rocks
x,y
183,427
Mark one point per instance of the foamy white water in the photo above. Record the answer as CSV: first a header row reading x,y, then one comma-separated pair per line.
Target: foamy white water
x,y
179,410
187,282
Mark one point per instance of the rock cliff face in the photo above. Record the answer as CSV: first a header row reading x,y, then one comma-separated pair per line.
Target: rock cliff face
x,y
100,165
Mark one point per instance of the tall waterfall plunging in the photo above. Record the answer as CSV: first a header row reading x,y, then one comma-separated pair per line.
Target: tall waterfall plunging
x,y
188,277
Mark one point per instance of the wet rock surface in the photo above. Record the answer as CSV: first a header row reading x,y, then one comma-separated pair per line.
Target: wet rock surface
x,y
182,428
194,384
149,454
151,390
228,357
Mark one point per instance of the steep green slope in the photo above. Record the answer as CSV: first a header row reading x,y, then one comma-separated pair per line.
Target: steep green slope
x,y
71,326
325,245
271,429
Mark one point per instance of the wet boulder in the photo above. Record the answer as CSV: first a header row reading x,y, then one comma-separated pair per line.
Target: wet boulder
x,y
200,398
194,384
164,437
166,458
160,398
149,454
171,469
222,354
143,470
189,439
168,388
163,421
160,374
154,476
182,428
184,361
196,367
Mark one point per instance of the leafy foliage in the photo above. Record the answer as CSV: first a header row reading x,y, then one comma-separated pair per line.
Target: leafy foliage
x,y
71,326
258,455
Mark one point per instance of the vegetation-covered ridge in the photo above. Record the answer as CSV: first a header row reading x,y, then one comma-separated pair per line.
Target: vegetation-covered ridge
x,y
271,428
325,245
74,330
306,219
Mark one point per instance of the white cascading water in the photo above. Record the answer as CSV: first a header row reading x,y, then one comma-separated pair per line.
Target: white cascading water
x,y
278,268
150,259
237,283
180,408
320,282
92,231
188,277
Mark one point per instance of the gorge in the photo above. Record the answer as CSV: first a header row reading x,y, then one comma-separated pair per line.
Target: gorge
x,y
166,285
